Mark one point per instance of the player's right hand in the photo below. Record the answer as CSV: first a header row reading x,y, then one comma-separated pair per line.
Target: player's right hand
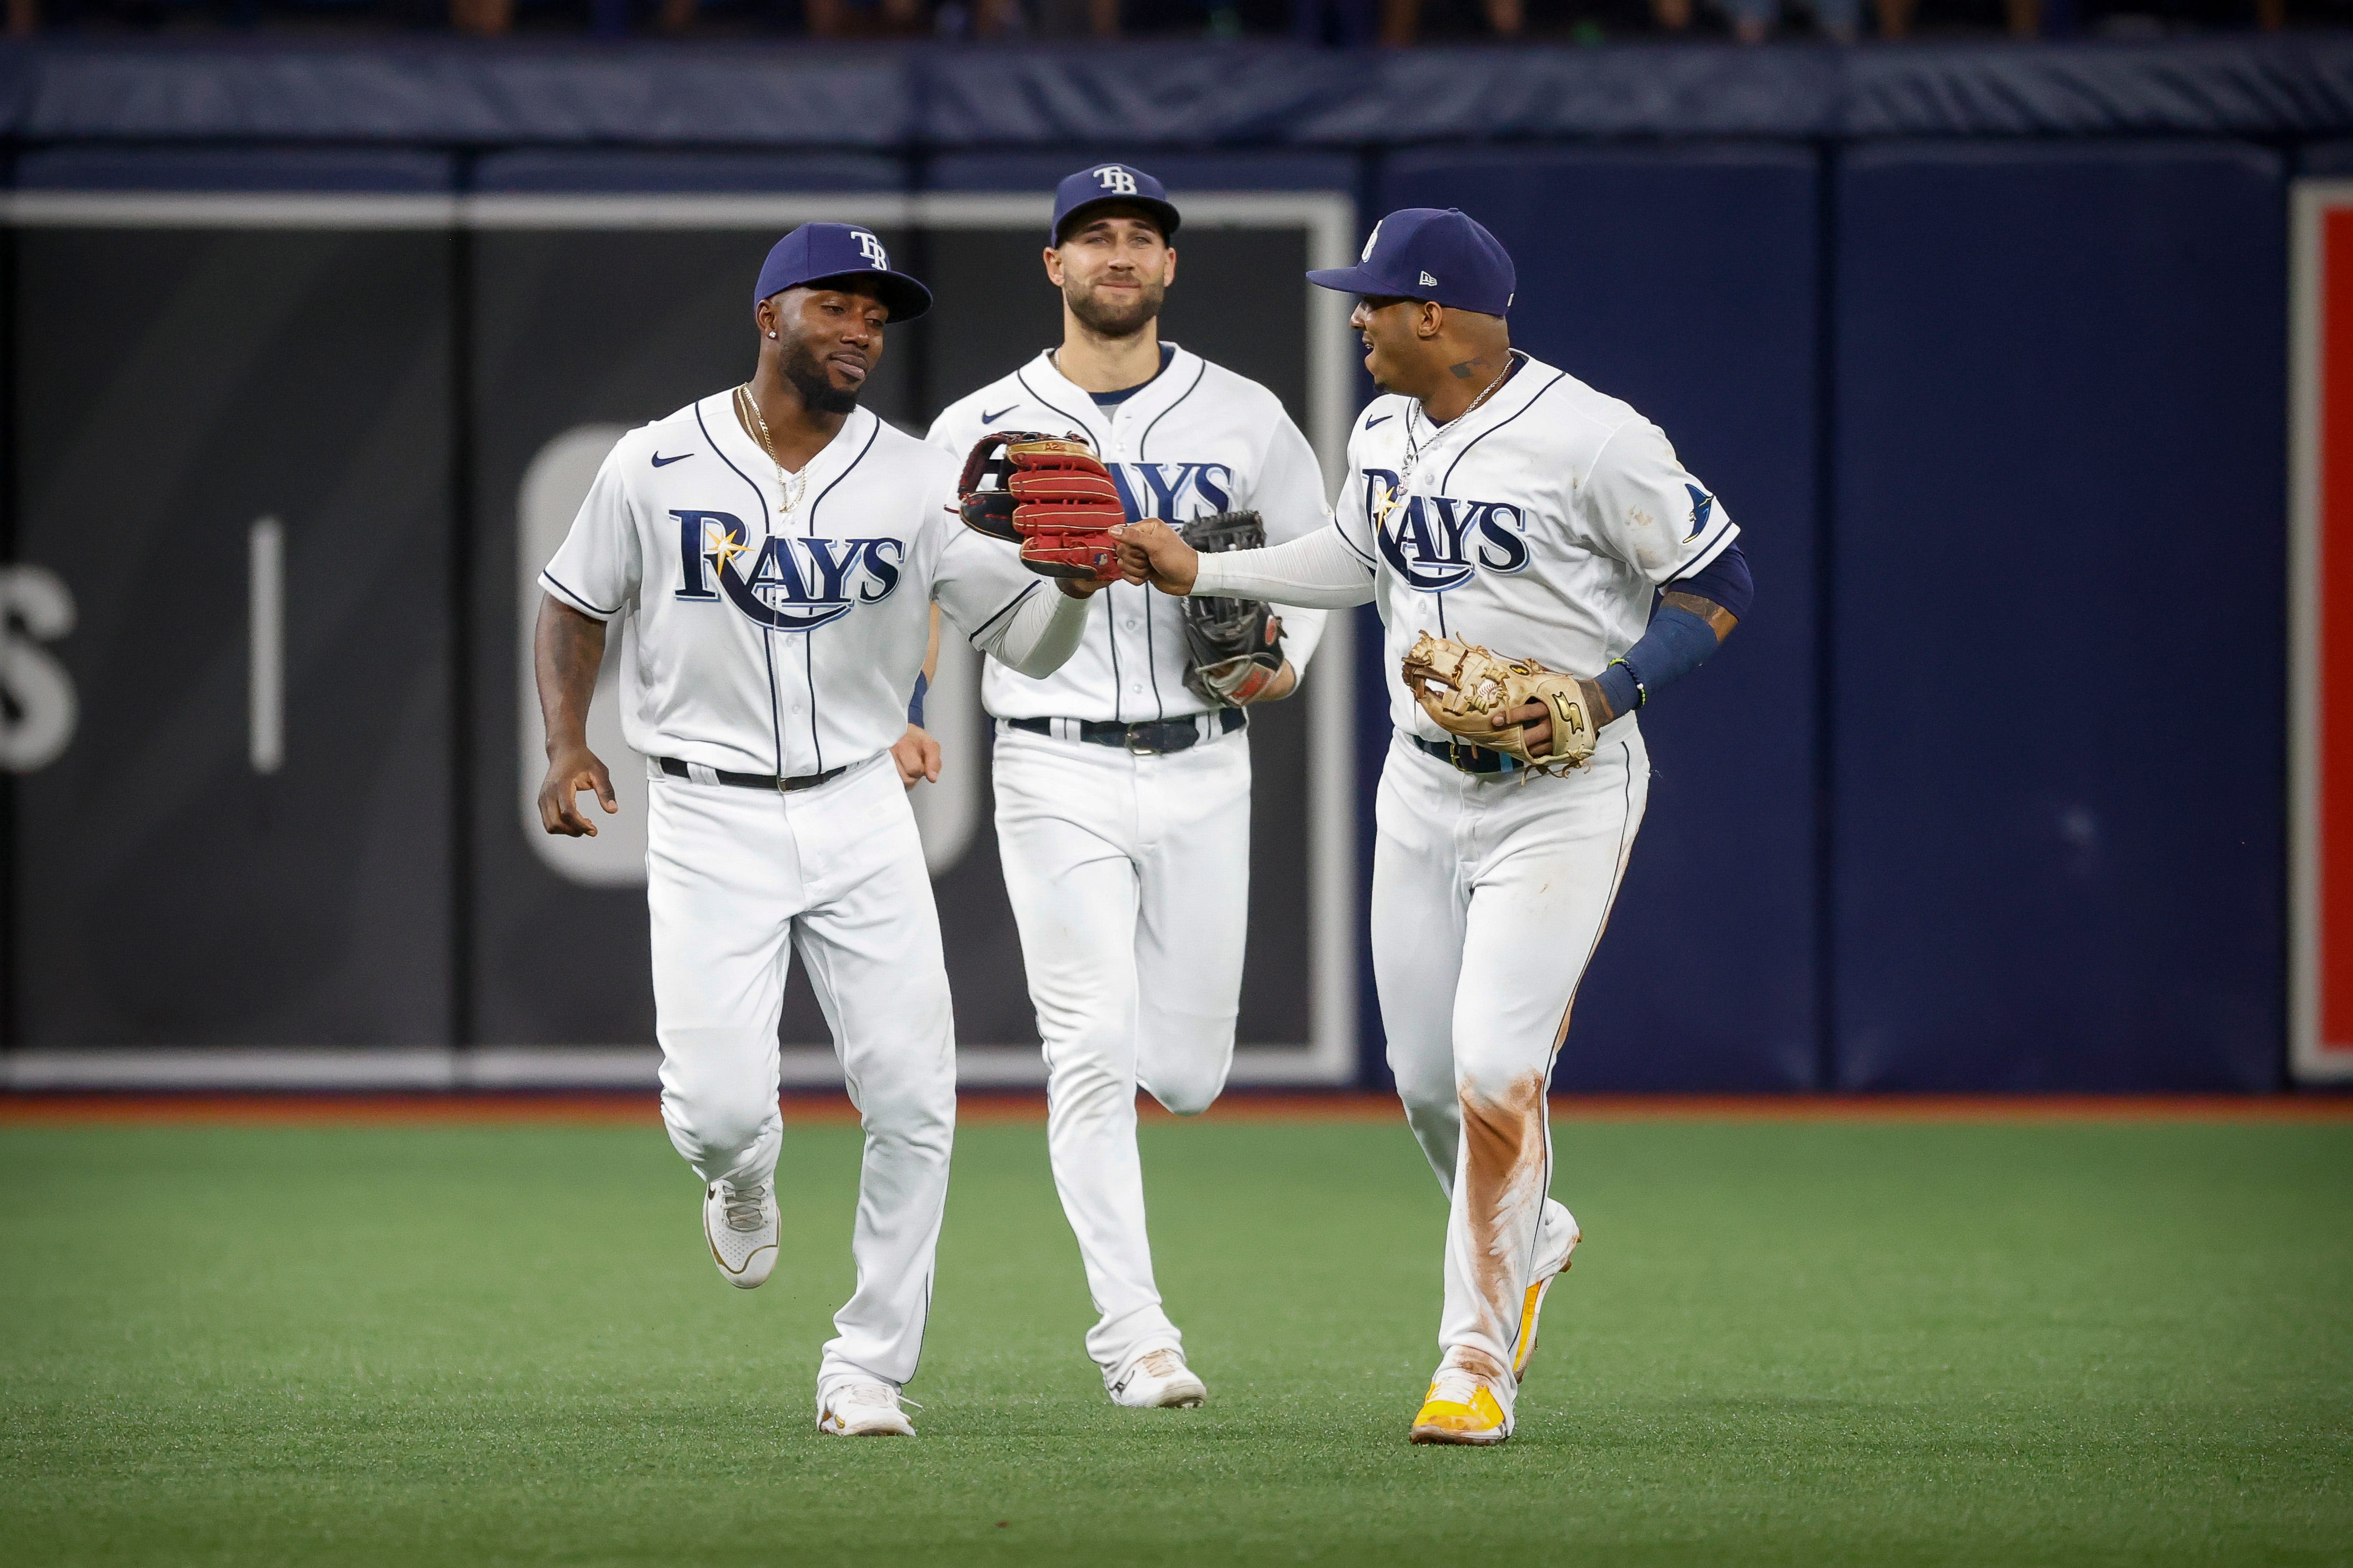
x,y
569,772
1151,552
917,757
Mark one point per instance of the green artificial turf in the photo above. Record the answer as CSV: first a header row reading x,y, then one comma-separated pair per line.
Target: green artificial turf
x,y
1783,1342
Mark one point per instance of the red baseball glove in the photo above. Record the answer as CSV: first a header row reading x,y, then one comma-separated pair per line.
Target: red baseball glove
x,y
1054,498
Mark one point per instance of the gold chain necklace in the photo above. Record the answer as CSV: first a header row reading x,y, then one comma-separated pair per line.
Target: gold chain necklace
x,y
1413,453
793,486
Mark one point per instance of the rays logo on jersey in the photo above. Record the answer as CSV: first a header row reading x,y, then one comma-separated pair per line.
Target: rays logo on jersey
x,y
1168,489
795,584
1702,503
1436,543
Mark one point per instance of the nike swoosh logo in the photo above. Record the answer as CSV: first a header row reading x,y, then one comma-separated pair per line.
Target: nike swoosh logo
x,y
1383,420
993,419
662,462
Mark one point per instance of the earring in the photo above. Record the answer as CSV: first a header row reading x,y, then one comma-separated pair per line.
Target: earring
x,y
771,334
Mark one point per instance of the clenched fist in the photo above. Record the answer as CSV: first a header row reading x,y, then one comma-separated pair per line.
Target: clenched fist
x,y
1150,551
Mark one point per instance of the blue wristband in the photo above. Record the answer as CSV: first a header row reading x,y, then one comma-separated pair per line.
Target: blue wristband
x,y
915,706
1622,686
1677,643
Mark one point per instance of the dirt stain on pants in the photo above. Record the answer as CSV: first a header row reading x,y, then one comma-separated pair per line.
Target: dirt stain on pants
x,y
1503,1180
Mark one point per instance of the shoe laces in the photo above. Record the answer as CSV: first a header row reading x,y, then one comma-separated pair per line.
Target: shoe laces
x,y
744,1207
1455,1385
1159,1364
871,1393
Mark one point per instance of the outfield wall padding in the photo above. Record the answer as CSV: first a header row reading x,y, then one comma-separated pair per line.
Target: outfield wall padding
x,y
1173,94
2032,703
2057,545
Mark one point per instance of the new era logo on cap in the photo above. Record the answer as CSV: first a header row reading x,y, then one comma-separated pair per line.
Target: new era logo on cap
x,y
1411,248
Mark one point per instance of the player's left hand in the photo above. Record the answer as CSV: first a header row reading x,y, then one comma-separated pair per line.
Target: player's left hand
x,y
1286,680
917,756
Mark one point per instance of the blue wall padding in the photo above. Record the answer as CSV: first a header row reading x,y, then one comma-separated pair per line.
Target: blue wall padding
x,y
566,170
2332,159
1168,94
1683,282
2219,86
1040,172
183,169
2058,533
457,90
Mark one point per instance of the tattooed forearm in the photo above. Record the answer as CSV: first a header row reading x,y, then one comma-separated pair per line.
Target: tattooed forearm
x,y
567,649
1708,610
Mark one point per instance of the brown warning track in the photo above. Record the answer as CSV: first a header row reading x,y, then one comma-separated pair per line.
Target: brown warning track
x,y
638,1110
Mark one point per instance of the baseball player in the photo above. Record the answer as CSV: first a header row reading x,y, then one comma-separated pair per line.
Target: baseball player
x,y
777,550
1515,526
1122,781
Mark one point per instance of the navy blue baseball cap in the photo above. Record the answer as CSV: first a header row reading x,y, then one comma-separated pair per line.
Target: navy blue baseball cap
x,y
842,253
1430,253
1112,183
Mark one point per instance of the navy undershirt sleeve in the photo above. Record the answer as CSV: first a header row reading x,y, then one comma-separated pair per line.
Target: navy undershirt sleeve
x,y
1724,581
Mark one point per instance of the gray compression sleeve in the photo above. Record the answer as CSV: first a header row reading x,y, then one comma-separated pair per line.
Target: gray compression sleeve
x,y
1036,638
1316,571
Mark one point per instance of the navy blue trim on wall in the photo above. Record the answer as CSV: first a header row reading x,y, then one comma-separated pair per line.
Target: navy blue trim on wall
x,y
941,99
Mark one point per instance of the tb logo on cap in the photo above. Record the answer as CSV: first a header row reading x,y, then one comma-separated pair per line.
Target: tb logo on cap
x,y
1371,240
871,248
1115,180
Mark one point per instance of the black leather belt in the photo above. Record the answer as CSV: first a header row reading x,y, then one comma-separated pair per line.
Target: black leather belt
x,y
1468,759
679,770
1152,738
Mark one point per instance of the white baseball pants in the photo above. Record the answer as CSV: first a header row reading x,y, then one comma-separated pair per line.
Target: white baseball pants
x,y
1130,880
1489,897
837,872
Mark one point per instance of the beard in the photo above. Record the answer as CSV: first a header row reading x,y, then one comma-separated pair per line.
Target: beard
x,y
1109,321
809,377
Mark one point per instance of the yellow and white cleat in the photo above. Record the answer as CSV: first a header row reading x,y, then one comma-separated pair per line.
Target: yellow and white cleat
x,y
1558,1221
1464,1405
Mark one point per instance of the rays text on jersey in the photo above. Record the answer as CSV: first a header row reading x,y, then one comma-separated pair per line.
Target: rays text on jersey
x,y
1436,543
795,584
1167,490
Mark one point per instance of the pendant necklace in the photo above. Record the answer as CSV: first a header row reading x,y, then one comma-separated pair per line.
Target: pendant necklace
x,y
793,486
1413,453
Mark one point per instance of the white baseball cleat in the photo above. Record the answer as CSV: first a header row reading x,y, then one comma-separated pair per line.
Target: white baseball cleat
x,y
861,1409
741,1225
1559,1226
1157,1380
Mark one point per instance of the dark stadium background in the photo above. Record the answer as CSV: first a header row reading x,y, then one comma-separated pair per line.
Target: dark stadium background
x,y
1984,347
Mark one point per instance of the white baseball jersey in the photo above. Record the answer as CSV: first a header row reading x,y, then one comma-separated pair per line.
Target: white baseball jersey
x,y
768,640
1195,440
1538,524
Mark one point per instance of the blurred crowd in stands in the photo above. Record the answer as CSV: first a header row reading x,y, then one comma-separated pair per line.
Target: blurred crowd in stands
x,y
1393,23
